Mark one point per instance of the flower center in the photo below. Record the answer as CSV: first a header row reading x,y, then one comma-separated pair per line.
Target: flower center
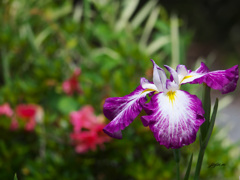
x,y
171,95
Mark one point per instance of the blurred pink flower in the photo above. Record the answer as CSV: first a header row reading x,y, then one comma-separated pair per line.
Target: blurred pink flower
x,y
6,110
30,114
71,85
84,118
26,110
87,130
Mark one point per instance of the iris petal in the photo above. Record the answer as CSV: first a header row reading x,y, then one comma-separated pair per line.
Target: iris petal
x,y
174,118
159,77
182,70
173,73
147,84
223,80
191,77
202,68
121,111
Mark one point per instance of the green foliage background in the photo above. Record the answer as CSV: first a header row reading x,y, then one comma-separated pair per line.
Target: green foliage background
x,y
112,42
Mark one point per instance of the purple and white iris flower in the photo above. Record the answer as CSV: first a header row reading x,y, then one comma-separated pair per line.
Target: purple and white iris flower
x,y
173,115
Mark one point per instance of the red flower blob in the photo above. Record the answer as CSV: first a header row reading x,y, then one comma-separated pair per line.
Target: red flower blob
x,y
87,130
71,85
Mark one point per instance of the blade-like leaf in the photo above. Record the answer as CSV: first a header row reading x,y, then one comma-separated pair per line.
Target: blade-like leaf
x,y
126,14
211,125
175,40
149,26
42,36
157,44
143,13
15,177
206,101
189,168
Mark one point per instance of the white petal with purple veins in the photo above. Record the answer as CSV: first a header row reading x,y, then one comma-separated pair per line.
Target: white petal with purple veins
x,y
174,118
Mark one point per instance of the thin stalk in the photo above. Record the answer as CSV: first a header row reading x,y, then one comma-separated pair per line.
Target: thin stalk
x,y
177,155
178,170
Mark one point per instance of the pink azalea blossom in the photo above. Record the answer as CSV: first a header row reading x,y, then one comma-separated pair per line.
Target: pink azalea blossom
x,y
87,130
29,113
26,110
6,110
84,118
71,85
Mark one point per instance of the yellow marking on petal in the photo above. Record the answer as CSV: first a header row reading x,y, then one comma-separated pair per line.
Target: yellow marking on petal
x,y
171,95
148,90
186,77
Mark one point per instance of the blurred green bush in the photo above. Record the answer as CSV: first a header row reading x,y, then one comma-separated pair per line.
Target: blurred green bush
x,y
42,42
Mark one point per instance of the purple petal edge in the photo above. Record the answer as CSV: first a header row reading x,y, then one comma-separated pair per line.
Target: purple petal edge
x,y
167,132
202,69
121,111
223,80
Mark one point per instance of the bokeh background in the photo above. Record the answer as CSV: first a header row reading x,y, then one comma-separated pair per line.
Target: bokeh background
x,y
61,59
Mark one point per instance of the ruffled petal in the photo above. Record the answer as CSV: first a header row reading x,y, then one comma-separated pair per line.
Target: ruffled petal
x,y
223,80
174,118
123,110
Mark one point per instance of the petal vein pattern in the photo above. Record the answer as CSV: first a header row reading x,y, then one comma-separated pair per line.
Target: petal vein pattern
x,y
122,111
174,121
223,80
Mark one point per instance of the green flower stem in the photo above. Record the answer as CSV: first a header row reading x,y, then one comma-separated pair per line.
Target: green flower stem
x,y
177,155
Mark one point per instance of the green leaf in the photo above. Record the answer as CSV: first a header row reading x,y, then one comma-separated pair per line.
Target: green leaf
x,y
67,104
15,177
158,44
143,13
206,100
189,168
212,122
